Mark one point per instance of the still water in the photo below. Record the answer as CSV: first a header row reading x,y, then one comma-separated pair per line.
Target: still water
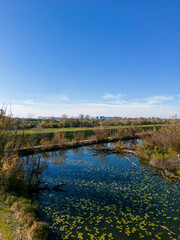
x,y
106,196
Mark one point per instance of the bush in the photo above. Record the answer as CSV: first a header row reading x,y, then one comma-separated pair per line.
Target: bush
x,y
58,138
101,133
25,211
162,148
38,231
11,199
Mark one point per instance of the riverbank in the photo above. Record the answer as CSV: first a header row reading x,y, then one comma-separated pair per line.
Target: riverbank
x,y
8,222
18,216
75,144
105,196
37,136
19,219
162,150
10,226
11,223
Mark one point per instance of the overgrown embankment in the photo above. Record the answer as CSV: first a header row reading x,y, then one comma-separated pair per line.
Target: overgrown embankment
x,y
8,223
19,219
162,149
35,136
17,213
59,140
75,144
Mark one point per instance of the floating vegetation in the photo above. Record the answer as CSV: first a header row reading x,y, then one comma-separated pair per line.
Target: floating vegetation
x,y
108,197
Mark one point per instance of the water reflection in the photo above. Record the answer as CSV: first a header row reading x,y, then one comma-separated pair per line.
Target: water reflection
x,y
35,165
104,196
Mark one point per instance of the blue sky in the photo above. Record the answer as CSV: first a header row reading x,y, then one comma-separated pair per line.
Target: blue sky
x,y
97,57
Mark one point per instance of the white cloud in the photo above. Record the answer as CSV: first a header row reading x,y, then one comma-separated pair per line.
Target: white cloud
x,y
157,99
63,97
112,96
158,106
131,109
29,102
59,97
178,95
163,97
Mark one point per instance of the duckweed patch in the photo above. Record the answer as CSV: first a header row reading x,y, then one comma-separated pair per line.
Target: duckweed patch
x,y
106,197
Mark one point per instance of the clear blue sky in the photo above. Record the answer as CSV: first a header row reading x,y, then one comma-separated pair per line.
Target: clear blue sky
x,y
98,57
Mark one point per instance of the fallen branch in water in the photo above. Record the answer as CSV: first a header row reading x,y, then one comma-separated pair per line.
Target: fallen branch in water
x,y
164,227
56,187
37,188
130,160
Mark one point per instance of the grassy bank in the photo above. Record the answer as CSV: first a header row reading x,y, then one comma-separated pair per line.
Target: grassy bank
x,y
34,136
19,219
7,222
75,144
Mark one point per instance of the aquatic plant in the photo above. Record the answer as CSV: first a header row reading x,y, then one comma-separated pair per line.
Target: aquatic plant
x,y
108,199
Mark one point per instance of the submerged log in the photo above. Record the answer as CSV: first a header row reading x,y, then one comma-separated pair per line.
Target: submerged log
x,y
56,187
164,227
37,188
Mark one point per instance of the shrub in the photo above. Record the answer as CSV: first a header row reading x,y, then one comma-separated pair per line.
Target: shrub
x,y
11,199
25,211
44,141
38,231
58,138
100,132
162,148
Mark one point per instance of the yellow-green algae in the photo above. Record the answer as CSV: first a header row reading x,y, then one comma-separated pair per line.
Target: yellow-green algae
x,y
106,197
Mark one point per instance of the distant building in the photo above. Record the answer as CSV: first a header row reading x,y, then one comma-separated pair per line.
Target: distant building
x,y
103,117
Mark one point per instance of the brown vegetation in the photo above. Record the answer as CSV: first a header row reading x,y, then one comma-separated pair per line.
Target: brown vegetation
x,y
38,231
11,171
13,184
162,149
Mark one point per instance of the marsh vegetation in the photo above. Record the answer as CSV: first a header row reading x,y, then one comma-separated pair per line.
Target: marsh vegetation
x,y
106,196
91,192
14,188
162,150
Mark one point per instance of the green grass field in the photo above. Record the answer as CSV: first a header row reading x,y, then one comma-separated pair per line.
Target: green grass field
x,y
77,129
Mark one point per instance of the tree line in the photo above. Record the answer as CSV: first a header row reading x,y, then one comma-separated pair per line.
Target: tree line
x,y
85,121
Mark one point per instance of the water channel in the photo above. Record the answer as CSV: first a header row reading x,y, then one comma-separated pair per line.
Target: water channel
x,y
105,196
